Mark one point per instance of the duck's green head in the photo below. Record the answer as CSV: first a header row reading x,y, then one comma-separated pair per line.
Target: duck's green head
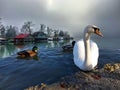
x,y
35,49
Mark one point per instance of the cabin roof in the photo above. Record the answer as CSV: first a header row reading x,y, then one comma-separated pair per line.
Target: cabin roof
x,y
38,33
22,35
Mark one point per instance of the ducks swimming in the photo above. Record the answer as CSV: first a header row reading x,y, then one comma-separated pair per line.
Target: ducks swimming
x,y
86,52
28,53
68,47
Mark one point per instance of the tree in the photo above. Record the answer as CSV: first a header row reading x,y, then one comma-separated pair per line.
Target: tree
x,y
26,28
61,33
2,29
11,31
49,31
42,27
66,35
56,33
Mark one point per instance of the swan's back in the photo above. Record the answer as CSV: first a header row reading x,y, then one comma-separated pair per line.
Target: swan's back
x,y
79,54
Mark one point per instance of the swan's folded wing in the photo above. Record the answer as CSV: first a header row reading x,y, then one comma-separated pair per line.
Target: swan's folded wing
x,y
79,51
94,52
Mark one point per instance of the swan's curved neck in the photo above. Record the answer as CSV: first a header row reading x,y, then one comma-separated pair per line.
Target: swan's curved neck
x,y
87,47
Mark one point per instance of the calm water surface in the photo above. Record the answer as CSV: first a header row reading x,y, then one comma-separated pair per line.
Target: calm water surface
x,y
50,65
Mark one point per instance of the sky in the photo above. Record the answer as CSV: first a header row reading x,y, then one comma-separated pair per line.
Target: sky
x,y
69,15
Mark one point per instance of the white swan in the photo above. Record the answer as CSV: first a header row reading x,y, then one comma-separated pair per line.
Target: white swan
x,y
85,51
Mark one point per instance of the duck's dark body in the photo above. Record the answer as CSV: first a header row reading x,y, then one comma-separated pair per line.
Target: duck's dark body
x,y
23,54
28,53
68,47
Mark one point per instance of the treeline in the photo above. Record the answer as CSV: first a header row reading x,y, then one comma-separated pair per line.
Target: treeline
x,y
27,28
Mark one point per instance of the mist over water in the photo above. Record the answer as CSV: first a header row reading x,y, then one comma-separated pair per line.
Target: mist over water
x,y
68,15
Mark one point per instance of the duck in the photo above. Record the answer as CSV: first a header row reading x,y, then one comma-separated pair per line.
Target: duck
x,y
28,53
85,51
68,47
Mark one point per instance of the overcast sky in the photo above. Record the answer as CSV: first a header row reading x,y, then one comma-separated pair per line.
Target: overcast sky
x,y
71,15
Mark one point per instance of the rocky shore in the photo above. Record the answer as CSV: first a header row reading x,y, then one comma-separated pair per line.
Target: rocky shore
x,y
106,78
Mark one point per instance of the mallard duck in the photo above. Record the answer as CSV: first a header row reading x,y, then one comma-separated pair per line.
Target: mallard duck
x,y
28,53
69,47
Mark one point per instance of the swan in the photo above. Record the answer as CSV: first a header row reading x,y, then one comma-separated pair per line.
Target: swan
x,y
85,51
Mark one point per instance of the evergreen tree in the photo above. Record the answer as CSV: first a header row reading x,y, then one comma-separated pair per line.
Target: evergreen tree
x,y
56,33
11,31
49,31
61,33
42,28
2,29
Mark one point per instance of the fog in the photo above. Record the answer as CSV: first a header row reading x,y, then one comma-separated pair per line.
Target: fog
x,y
69,15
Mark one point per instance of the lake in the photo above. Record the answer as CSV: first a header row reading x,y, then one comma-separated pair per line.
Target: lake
x,y
51,64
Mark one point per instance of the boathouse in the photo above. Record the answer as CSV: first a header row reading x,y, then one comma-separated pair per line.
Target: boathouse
x,y
39,36
23,38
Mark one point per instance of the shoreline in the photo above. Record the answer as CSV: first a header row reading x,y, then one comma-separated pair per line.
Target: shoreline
x,y
106,78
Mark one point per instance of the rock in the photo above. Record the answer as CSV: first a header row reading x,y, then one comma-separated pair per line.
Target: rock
x,y
107,78
112,67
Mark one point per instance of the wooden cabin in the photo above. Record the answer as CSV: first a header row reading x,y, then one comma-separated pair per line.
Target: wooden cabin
x,y
39,36
21,38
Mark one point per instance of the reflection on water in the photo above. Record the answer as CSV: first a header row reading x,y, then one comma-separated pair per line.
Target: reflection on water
x,y
7,50
11,49
53,44
52,64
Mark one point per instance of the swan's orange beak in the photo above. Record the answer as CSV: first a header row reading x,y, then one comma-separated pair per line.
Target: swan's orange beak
x,y
98,33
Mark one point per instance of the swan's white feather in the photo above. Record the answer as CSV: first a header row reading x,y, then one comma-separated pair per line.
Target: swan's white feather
x,y
79,55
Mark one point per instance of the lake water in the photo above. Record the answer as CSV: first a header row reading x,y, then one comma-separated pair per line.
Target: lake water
x,y
51,64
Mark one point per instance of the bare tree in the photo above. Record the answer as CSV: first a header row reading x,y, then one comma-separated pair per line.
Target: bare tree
x,y
26,28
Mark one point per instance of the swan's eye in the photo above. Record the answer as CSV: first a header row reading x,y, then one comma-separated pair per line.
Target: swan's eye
x,y
95,29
